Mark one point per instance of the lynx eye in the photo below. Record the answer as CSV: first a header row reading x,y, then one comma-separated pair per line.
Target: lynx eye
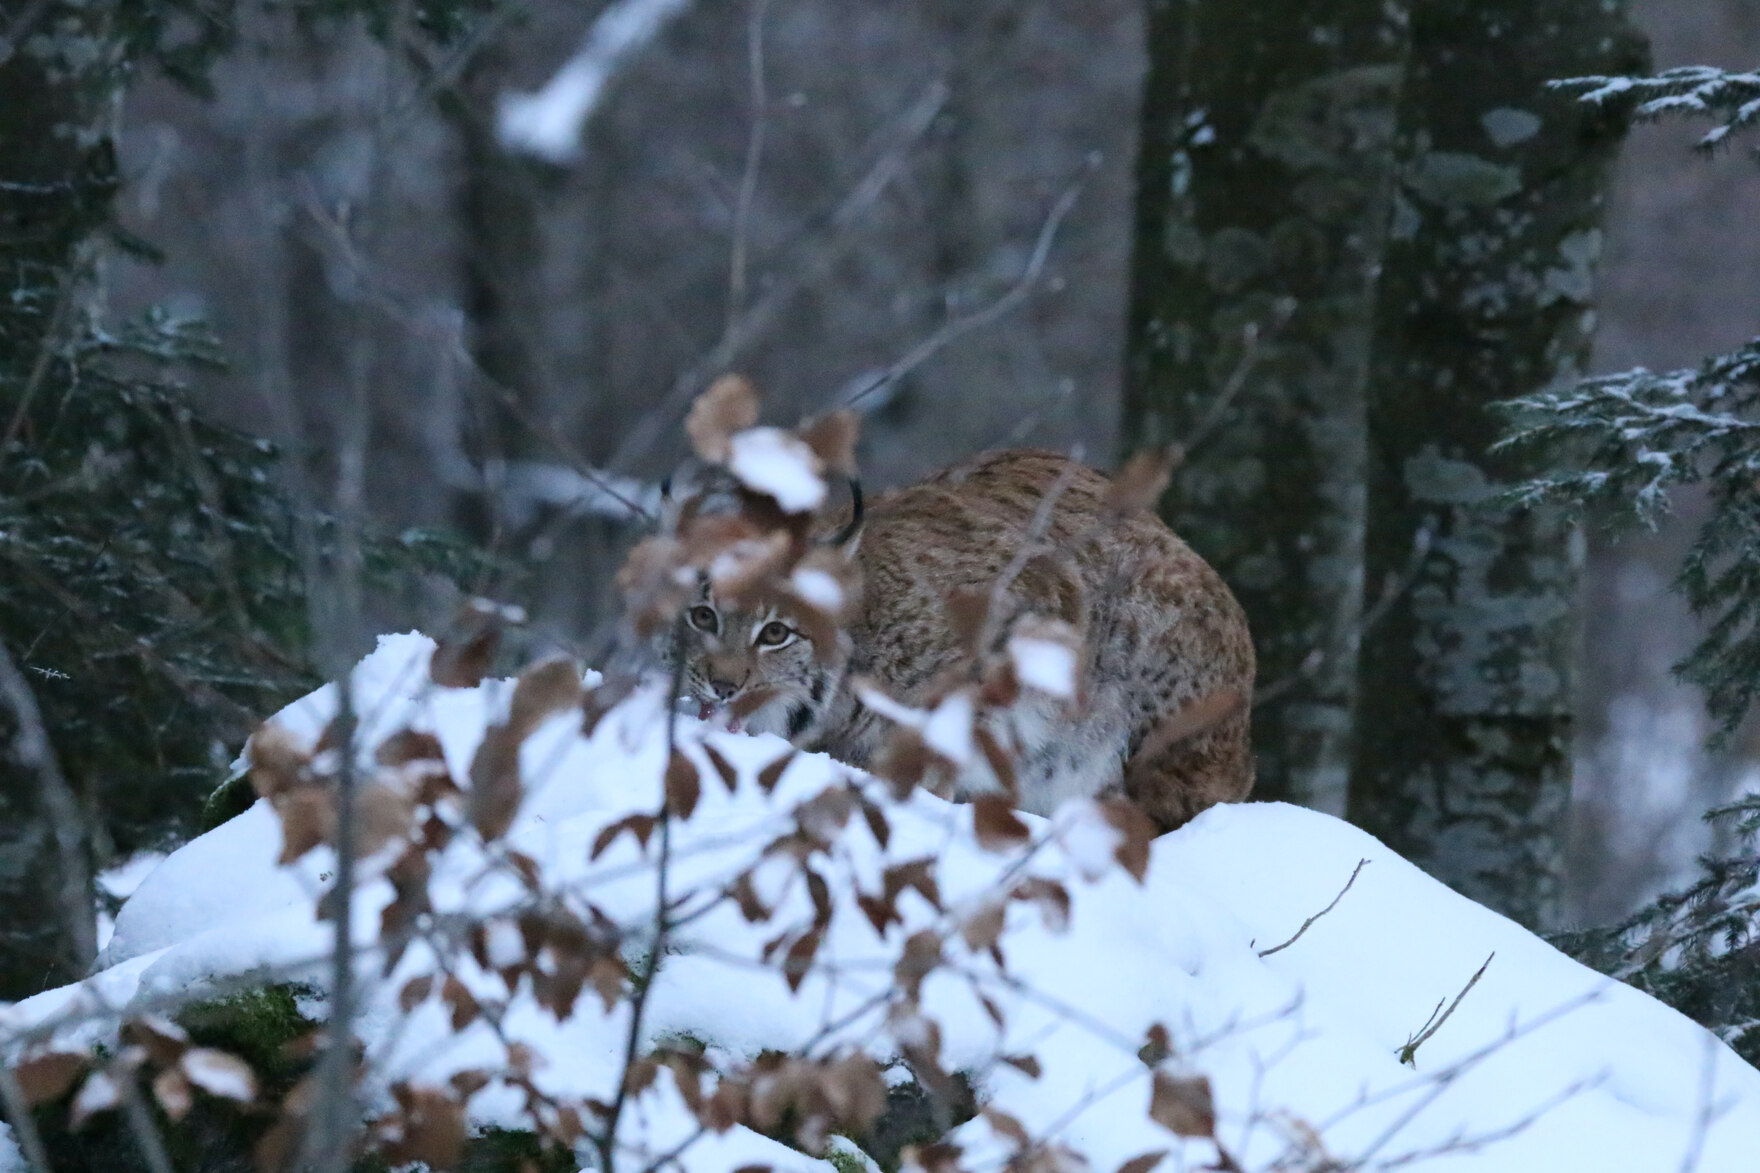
x,y
703,618
774,634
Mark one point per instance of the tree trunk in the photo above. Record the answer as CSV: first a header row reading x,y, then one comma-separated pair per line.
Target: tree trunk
x,y
1264,195
59,171
1464,697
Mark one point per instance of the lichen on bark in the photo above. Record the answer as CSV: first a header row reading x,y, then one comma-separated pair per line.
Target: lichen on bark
x,y
1462,757
1264,200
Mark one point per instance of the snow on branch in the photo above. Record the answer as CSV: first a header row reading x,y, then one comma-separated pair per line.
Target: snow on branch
x,y
1691,90
1626,442
548,123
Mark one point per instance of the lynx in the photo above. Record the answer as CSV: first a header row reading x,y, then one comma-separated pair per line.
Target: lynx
x,y
1159,630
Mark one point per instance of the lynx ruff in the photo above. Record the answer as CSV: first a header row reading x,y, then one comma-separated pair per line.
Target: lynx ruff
x,y
1160,635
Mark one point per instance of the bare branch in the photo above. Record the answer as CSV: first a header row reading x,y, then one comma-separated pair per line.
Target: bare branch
x,y
1002,306
32,751
1409,1052
1309,922
141,1125
1392,590
335,1117
817,260
748,184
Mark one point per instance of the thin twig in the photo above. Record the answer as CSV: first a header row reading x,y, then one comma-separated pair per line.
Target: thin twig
x,y
335,1118
1707,1106
45,354
1253,338
748,184
819,261
1409,1052
33,751
140,1123
1003,305
1393,589
1309,922
607,1141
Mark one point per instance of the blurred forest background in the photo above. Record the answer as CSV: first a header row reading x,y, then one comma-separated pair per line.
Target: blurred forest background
x,y
444,316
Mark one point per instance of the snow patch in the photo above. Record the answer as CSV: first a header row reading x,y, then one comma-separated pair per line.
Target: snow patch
x,y
780,464
1543,1066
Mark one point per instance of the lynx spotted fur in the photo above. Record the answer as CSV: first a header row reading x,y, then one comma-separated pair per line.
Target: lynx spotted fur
x,y
1160,631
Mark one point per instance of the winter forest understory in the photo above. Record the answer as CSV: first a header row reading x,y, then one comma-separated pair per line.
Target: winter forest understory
x,y
475,694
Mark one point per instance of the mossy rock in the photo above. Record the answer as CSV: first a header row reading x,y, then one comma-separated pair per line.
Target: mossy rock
x,y
228,800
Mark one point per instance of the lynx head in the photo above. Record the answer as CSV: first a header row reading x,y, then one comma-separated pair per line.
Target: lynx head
x,y
760,664
768,650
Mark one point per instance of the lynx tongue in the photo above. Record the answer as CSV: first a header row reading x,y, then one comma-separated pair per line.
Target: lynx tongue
x,y
705,711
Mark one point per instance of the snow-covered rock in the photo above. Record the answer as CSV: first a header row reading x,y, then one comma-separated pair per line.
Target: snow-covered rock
x,y
1543,1066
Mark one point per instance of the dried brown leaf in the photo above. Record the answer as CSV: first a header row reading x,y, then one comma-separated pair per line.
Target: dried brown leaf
x,y
877,824
723,767
219,1073
163,1040
1050,897
607,975
940,1157
407,746
683,786
1138,486
463,1003
1183,1105
1005,1125
433,1129
468,1082
1027,1065
729,405
639,826
547,687
47,1077
799,959
1183,724
415,992
922,953
771,774
308,818
496,791
996,825
171,1089
917,874
382,815
639,1076
1143,1163
464,655
278,761
1135,832
832,437
1001,763
982,929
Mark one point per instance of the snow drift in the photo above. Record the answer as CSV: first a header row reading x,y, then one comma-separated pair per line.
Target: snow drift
x,y
1542,1066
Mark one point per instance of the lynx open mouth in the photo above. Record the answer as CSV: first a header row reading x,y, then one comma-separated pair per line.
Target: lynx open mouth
x,y
707,710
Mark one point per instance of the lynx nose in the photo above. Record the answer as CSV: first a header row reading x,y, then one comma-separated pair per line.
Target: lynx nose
x,y
722,689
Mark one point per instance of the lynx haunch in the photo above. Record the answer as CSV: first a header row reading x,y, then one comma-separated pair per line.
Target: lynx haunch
x,y
1160,636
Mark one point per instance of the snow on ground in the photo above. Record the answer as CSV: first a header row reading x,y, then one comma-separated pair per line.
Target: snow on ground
x,y
1543,1066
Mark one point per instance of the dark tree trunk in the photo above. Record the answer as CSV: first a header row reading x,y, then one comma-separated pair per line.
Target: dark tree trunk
x,y
1464,697
59,175
1264,192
